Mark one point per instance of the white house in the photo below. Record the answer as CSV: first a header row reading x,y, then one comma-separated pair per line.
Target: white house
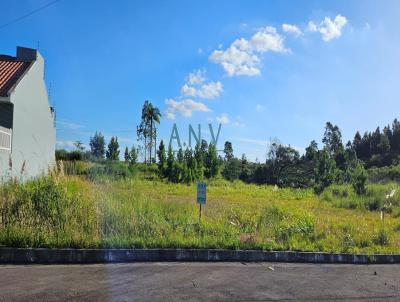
x,y
27,132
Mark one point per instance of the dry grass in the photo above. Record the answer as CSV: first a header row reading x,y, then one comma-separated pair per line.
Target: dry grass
x,y
142,213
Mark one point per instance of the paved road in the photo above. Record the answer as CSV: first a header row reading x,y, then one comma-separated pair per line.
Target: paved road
x,y
200,282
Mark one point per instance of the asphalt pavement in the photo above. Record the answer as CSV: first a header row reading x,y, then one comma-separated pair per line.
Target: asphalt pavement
x,y
173,281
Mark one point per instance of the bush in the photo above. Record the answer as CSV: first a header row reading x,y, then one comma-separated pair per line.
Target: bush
x,y
74,167
384,174
68,155
381,238
39,201
359,179
373,199
325,172
110,169
47,211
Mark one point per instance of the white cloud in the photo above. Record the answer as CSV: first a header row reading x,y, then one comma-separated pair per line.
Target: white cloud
x,y
239,122
254,141
196,77
184,108
223,119
68,125
210,90
242,56
267,39
312,26
236,61
259,108
65,145
187,90
329,29
196,86
68,145
292,29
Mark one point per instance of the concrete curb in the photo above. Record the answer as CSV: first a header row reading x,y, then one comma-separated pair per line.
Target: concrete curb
x,y
82,256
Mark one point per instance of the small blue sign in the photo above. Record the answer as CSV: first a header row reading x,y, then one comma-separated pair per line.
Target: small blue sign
x,y
201,193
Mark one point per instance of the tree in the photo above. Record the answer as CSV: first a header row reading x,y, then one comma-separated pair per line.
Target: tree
x,y
177,172
312,150
133,155
113,149
188,172
79,146
350,158
228,150
170,163
359,178
147,131
127,155
279,158
332,139
199,156
245,172
232,166
357,143
97,145
143,130
325,172
395,140
162,159
211,162
179,156
333,144
154,116
232,169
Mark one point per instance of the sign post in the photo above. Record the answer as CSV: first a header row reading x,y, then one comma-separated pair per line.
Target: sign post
x,y
201,195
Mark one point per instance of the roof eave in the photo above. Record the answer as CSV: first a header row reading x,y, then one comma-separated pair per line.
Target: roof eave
x,y
13,87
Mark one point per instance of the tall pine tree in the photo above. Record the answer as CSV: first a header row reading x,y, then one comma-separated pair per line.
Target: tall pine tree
x,y
113,149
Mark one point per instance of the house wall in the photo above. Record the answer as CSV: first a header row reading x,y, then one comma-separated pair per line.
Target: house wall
x,y
33,133
6,116
4,158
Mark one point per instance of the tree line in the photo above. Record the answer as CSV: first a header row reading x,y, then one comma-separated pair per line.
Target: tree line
x,y
284,166
318,168
189,165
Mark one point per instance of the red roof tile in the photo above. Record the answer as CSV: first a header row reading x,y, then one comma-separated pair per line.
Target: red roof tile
x,y
11,71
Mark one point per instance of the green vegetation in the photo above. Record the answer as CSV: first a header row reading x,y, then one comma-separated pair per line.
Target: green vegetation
x,y
323,200
118,209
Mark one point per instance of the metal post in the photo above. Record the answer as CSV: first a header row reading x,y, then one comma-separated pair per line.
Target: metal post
x,y
200,213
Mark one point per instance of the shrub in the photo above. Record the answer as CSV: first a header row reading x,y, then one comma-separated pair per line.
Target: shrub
x,y
110,169
374,203
75,167
68,155
48,212
381,238
359,178
384,174
325,172
39,201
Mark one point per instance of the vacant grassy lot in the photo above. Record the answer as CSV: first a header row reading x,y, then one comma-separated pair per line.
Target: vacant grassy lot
x,y
70,211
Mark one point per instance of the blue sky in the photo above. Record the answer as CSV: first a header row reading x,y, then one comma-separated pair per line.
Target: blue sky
x,y
266,69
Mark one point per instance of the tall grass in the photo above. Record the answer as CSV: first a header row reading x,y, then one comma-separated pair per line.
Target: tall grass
x,y
71,211
374,199
48,211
